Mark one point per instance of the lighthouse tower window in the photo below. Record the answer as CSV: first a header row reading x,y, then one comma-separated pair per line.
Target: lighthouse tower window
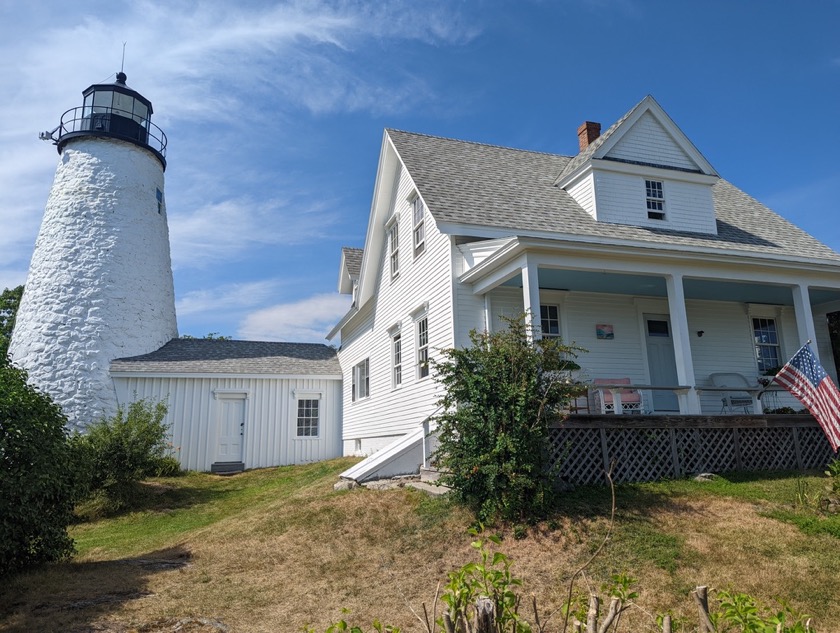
x,y
160,200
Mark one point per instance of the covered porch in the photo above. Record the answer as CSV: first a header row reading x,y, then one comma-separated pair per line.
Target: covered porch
x,y
665,332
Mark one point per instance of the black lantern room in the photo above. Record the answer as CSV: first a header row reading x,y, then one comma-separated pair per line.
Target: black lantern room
x,y
115,111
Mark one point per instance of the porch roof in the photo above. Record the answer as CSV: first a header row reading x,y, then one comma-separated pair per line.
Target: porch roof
x,y
473,187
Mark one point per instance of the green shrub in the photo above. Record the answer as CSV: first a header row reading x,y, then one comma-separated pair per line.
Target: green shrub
x,y
36,475
119,452
501,393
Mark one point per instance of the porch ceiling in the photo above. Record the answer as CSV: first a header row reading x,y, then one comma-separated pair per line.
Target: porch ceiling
x,y
652,286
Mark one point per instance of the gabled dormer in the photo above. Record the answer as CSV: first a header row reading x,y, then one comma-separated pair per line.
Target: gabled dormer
x,y
349,270
643,171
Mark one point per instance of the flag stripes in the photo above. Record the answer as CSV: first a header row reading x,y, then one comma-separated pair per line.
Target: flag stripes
x,y
805,378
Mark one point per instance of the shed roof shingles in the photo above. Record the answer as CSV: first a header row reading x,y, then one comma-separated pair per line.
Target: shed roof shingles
x,y
472,184
213,356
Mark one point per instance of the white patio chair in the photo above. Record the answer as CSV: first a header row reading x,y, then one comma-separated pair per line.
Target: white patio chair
x,y
734,399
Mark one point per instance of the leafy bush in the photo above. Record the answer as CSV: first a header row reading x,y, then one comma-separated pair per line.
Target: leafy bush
x,y
501,392
36,475
119,452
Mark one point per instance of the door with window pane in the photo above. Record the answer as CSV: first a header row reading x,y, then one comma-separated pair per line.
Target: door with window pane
x,y
661,363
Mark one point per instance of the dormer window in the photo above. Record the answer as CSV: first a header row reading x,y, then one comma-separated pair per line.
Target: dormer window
x,y
655,199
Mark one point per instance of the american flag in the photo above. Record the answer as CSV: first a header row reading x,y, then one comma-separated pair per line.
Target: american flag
x,y
805,378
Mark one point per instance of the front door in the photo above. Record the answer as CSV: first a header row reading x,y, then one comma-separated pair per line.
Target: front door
x,y
231,426
661,363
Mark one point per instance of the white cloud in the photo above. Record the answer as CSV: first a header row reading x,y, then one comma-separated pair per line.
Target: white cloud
x,y
307,320
207,63
231,229
227,298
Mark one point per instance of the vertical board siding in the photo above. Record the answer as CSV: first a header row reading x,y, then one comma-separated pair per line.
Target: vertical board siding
x,y
269,433
426,278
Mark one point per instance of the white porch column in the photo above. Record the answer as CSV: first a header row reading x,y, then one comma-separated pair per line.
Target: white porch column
x,y
690,401
804,319
531,297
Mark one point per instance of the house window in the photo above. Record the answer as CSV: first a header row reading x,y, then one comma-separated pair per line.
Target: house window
x,y
549,320
396,349
308,416
419,215
394,249
767,348
361,380
423,347
655,199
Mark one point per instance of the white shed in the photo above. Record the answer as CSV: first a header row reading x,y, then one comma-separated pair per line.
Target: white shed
x,y
240,404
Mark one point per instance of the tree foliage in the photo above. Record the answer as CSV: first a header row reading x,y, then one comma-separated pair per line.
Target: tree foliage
x,y
500,394
9,302
36,475
117,453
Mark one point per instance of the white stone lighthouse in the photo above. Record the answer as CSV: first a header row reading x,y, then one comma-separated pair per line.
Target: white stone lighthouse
x,y
100,281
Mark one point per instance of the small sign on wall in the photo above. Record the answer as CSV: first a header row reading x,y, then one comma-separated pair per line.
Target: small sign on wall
x,y
604,331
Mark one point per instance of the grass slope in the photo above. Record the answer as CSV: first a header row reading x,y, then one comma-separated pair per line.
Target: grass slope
x,y
276,549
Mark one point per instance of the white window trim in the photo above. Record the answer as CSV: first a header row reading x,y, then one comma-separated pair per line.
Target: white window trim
x,y
418,248
306,395
777,322
393,253
395,336
419,349
354,381
559,333
660,200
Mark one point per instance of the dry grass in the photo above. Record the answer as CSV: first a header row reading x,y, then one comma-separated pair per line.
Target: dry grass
x,y
295,552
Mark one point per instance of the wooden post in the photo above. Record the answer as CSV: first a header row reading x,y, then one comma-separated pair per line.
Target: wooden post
x,y
701,597
666,624
592,615
485,616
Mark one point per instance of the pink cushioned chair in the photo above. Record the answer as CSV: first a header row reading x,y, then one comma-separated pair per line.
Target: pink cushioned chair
x,y
631,400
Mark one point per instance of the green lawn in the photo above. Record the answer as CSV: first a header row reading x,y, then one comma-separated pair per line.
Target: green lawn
x,y
276,549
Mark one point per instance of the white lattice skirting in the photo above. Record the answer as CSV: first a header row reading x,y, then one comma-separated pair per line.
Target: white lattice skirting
x,y
650,448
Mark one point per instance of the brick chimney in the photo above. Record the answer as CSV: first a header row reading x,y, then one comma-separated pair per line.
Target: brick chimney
x,y
588,132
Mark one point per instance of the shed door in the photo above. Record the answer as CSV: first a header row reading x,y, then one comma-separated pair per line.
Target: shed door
x,y
230,428
662,366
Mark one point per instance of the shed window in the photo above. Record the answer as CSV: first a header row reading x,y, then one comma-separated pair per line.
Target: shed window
x,y
308,417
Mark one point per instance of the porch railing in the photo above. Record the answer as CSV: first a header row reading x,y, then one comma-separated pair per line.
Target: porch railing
x,y
650,447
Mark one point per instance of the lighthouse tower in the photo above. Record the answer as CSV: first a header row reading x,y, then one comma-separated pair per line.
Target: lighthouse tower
x,y
100,281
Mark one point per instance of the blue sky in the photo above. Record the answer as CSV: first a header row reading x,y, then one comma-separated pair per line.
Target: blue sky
x,y
275,112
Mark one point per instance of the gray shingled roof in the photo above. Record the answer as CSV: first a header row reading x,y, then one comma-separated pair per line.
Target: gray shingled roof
x,y
185,356
353,260
586,154
473,184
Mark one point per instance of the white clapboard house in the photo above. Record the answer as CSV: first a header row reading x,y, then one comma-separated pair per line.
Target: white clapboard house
x,y
635,249
240,404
